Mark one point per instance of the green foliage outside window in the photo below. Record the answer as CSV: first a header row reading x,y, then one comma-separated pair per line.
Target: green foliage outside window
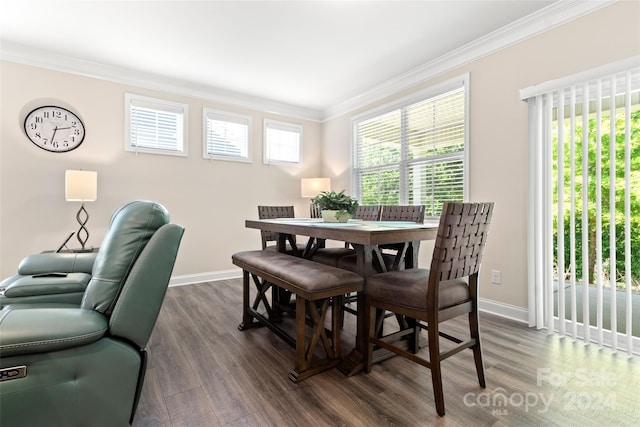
x,y
414,155
619,274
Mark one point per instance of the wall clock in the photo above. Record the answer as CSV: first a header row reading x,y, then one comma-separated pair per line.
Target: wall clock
x,y
54,129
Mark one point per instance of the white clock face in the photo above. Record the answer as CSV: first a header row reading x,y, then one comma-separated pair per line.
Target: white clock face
x,y
54,129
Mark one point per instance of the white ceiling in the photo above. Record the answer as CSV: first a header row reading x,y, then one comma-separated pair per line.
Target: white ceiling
x,y
311,54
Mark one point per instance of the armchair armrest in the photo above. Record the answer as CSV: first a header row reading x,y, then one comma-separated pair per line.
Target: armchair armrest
x,y
45,284
57,262
37,330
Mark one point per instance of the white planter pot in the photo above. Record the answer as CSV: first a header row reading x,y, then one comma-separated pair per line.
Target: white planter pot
x,y
332,216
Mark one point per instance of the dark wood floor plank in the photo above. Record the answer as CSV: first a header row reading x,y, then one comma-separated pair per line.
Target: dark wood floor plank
x,y
170,350
191,408
152,409
205,372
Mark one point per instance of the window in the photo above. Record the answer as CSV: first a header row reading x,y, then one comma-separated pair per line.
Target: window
x,y
155,126
226,136
413,152
584,205
282,142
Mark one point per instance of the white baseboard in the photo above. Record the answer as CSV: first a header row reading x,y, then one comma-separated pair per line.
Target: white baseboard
x,y
512,312
191,279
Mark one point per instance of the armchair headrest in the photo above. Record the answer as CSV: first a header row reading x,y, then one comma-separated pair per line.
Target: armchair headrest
x,y
130,229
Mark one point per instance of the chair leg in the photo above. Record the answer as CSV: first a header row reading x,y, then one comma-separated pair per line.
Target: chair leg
x,y
474,329
434,361
342,303
414,338
369,331
337,318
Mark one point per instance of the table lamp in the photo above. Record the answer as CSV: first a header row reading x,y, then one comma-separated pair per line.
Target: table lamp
x,y
311,187
81,186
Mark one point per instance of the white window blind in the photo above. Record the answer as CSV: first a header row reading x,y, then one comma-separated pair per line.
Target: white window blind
x,y
155,126
413,152
584,231
282,142
226,136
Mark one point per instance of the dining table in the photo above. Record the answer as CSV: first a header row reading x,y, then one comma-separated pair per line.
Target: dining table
x,y
366,238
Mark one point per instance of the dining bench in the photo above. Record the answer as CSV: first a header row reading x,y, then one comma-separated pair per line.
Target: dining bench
x,y
316,286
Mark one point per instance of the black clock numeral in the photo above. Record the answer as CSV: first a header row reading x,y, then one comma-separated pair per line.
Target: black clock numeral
x,y
33,126
38,119
37,135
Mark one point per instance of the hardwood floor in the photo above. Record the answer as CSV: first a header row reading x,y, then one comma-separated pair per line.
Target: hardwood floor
x,y
203,371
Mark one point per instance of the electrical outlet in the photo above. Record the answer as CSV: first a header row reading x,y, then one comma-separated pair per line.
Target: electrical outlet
x,y
495,277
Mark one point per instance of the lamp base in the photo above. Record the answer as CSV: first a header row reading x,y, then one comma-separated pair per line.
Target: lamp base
x,y
83,234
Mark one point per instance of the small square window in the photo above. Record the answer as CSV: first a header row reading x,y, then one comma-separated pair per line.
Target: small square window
x,y
155,126
226,136
282,142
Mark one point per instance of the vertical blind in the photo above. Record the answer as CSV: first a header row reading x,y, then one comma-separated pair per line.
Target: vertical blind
x,y
584,206
413,153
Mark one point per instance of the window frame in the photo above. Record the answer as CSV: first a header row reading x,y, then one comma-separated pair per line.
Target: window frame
x,y
460,82
286,126
229,118
161,105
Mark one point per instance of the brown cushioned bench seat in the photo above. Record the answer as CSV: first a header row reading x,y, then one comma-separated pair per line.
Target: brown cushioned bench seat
x,y
316,286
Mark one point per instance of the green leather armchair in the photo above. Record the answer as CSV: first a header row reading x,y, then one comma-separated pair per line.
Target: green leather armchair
x,y
65,364
59,277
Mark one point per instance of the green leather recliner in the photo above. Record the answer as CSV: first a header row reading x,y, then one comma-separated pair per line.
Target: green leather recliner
x,y
64,364
57,277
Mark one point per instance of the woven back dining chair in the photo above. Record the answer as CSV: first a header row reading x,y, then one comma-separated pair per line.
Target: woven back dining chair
x,y
368,213
331,256
389,252
448,289
414,213
315,211
281,298
271,212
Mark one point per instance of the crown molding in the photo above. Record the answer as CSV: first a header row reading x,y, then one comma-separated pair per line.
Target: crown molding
x,y
550,17
554,15
29,55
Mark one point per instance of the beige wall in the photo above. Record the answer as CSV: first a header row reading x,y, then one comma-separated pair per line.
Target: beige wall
x,y
498,127
211,199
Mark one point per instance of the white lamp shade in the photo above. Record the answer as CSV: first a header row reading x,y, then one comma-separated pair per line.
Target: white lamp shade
x,y
311,187
81,185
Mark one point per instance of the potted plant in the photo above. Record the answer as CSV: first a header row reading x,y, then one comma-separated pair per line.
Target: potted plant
x,y
336,207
